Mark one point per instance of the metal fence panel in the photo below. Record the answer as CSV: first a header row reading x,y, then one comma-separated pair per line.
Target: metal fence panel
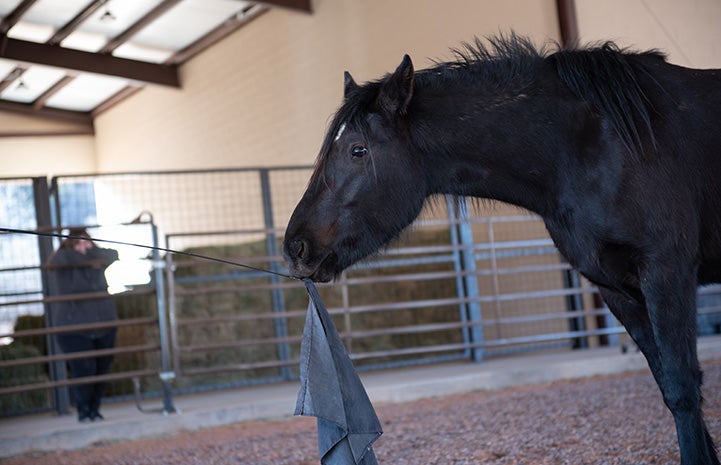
x,y
464,283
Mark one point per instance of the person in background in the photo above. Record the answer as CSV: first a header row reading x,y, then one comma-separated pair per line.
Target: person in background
x,y
78,266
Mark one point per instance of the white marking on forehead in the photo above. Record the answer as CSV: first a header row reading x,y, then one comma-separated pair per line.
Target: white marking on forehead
x,y
340,132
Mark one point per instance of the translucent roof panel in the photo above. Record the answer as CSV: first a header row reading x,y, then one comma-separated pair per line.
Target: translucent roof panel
x,y
6,68
85,41
108,22
7,6
140,52
32,84
45,17
32,32
86,92
187,22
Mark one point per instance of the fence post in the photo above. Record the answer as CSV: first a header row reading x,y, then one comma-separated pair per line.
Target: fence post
x,y
43,216
276,295
166,374
470,280
458,269
574,303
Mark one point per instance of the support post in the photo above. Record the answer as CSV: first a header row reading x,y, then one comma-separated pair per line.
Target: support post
x,y
57,370
167,375
470,281
276,295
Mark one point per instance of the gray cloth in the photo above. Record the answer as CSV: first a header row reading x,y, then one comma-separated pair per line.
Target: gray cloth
x,y
332,391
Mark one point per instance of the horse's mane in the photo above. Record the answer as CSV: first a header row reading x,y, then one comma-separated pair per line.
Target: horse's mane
x,y
496,61
607,77
604,75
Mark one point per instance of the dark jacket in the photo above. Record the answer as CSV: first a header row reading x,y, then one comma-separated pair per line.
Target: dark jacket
x,y
75,273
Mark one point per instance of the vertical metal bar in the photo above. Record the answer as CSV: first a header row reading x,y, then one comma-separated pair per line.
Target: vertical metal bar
x,y
495,284
166,372
43,216
276,295
567,22
172,312
55,194
348,326
574,303
470,280
458,268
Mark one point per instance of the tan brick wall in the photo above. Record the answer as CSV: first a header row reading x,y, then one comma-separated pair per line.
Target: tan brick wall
x,y
46,155
689,31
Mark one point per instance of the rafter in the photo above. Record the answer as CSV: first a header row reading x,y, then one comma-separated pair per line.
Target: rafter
x,y
54,89
53,55
148,18
226,28
303,5
71,25
11,19
85,119
118,97
11,77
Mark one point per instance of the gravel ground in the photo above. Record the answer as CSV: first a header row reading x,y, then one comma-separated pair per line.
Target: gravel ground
x,y
602,420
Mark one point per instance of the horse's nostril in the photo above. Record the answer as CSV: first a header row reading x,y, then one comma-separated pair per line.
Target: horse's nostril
x,y
299,249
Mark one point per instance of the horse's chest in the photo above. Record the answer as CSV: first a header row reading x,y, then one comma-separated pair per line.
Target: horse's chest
x,y
576,243
603,258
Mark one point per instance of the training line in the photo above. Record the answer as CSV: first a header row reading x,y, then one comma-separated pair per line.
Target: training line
x,y
150,247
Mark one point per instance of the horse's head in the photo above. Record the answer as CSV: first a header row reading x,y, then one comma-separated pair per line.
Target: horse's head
x,y
367,185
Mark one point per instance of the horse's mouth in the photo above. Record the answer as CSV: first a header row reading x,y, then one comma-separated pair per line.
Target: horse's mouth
x,y
326,269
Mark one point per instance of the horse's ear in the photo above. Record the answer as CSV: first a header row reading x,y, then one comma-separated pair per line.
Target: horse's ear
x,y
396,93
349,84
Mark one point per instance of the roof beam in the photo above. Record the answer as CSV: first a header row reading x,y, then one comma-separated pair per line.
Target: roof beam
x,y
567,22
119,96
53,55
76,117
303,5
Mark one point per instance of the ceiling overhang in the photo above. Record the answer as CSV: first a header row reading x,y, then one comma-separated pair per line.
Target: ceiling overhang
x,y
55,53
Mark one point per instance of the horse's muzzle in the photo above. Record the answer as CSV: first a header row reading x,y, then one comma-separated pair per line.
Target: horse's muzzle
x,y
301,264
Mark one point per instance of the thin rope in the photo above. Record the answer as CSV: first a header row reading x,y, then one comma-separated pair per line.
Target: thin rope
x,y
143,246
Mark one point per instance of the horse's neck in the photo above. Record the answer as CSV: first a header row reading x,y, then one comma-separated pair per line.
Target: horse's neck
x,y
510,150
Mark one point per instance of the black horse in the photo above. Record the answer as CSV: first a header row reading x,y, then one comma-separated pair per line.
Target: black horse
x,y
618,151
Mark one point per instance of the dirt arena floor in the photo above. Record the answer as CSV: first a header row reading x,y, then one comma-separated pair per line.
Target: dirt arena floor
x,y
601,421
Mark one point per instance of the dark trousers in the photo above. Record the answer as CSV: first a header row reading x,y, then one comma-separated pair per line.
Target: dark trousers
x,y
87,396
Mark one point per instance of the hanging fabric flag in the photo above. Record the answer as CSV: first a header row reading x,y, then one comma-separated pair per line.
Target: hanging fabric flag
x,y
332,391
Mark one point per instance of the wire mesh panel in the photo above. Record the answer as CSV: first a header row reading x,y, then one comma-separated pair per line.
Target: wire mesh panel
x,y
178,202
21,294
287,186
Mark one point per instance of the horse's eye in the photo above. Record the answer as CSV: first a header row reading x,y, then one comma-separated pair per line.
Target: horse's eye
x,y
358,151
